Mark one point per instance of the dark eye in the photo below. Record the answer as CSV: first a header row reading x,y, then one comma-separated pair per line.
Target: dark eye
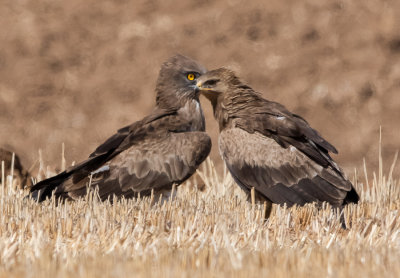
x,y
191,76
210,83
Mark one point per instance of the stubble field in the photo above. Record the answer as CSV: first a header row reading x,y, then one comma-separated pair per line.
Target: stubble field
x,y
212,232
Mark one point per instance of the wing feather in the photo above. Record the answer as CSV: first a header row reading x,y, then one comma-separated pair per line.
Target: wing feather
x,y
282,175
117,143
287,129
155,163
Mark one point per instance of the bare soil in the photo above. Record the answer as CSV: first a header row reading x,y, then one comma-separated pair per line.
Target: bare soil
x,y
75,71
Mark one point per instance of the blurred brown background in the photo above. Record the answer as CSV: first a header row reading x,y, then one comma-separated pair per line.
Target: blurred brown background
x,y
75,71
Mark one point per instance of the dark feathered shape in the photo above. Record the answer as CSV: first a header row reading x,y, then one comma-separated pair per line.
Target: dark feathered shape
x,y
271,149
163,149
22,176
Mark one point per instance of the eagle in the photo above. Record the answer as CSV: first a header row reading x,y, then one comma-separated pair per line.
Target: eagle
x,y
20,174
270,149
162,149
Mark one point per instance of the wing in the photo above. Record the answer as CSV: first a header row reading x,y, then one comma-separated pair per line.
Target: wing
x,y
275,121
283,175
114,145
156,163
127,135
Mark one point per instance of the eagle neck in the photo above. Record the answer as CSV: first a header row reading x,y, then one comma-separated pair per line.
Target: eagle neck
x,y
220,111
191,115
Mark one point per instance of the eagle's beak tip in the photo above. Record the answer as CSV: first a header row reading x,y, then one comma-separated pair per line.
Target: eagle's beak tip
x,y
197,87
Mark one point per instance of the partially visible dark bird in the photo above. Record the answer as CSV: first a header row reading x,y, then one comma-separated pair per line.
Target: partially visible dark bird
x,y
21,175
271,149
163,149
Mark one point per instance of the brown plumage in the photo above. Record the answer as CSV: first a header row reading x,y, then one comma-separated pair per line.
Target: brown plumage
x,y
163,149
21,175
271,149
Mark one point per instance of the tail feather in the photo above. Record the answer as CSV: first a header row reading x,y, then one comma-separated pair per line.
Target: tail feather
x,y
45,188
351,197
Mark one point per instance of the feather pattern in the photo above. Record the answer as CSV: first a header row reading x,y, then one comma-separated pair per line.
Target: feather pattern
x,y
162,149
267,147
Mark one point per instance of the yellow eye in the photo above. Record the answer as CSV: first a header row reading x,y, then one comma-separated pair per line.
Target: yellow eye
x,y
191,76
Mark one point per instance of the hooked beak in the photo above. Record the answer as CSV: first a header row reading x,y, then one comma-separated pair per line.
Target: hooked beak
x,y
207,92
199,88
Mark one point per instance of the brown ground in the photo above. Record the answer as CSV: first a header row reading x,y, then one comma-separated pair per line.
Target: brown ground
x,y
75,71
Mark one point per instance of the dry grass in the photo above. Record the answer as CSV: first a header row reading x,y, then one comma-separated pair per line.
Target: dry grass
x,y
200,234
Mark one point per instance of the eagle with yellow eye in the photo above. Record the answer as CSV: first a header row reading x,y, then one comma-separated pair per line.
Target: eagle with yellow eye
x,y
162,149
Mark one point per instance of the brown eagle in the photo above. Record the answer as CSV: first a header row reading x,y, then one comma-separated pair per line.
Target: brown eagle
x,y
21,175
271,149
163,149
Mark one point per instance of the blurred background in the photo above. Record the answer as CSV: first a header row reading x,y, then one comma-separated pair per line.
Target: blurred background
x,y
76,71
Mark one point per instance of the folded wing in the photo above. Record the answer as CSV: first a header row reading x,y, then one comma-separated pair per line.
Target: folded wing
x,y
117,143
282,175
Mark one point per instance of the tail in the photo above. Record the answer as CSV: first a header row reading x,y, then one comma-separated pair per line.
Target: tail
x,y
44,189
351,197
